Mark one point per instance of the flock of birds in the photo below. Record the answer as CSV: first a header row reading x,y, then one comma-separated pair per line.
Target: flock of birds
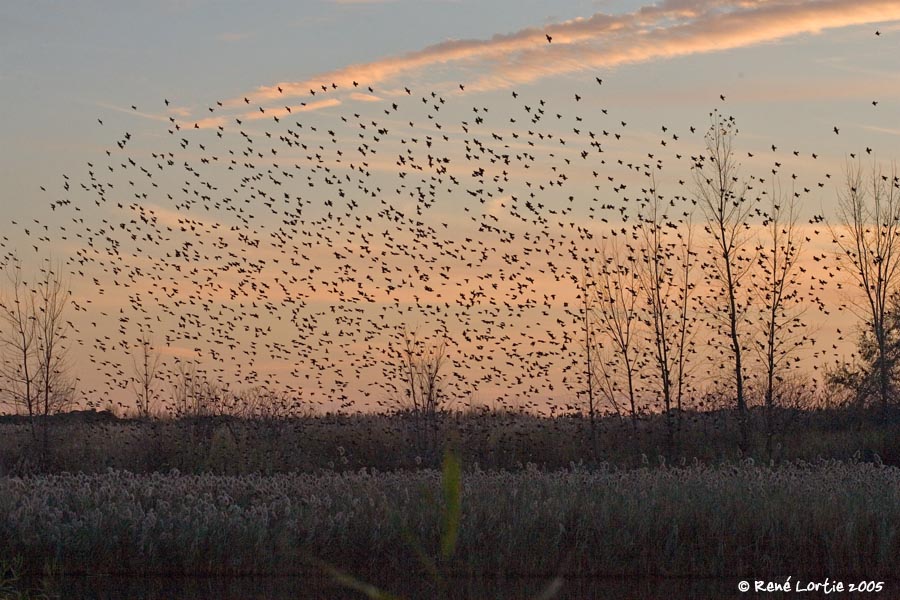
x,y
297,247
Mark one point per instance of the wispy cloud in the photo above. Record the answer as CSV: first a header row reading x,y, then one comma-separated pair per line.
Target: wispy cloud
x,y
283,112
232,36
255,115
742,24
132,111
886,130
365,97
671,29
179,111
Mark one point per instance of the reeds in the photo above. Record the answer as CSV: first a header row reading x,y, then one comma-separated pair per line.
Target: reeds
x,y
827,518
494,441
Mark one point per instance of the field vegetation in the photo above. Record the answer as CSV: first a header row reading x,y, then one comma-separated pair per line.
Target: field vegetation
x,y
92,442
695,520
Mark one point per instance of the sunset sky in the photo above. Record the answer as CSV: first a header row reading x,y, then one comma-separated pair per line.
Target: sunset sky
x,y
80,79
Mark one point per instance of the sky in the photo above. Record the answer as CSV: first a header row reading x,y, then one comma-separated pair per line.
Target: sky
x,y
86,86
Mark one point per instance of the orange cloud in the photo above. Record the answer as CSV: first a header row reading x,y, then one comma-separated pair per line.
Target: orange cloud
x,y
748,24
211,122
232,36
255,115
673,28
886,130
365,97
282,112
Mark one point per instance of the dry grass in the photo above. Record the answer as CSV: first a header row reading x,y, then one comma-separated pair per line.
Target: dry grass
x,y
828,518
232,446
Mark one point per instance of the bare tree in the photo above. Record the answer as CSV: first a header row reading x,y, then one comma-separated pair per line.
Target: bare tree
x,y
591,390
146,375
685,293
779,293
262,404
859,379
421,372
616,313
56,389
605,378
664,271
19,338
33,341
34,376
726,208
188,394
868,239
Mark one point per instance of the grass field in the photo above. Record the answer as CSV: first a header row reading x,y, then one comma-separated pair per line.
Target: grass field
x,y
226,445
826,518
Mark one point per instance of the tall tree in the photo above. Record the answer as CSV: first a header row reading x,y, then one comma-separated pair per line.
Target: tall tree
x,y
146,375
18,337
56,389
616,313
590,354
868,239
33,351
421,370
664,271
723,199
861,377
778,292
